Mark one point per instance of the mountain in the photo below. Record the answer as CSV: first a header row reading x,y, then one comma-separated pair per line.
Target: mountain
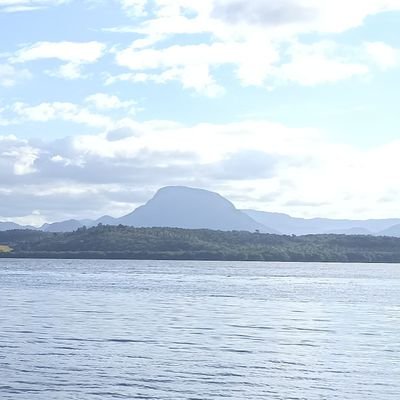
x,y
63,226
300,226
106,220
183,207
351,232
8,226
392,231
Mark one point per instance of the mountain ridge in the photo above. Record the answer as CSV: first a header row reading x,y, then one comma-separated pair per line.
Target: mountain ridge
x,y
303,226
193,208
7,226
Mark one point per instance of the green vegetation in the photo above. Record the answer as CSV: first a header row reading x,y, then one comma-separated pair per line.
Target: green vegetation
x,y
5,249
121,242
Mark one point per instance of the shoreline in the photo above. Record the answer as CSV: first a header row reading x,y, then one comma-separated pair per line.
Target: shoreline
x,y
91,258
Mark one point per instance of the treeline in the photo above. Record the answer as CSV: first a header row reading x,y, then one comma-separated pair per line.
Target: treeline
x,y
122,242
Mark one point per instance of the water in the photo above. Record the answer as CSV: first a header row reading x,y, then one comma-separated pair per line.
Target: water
x,y
87,330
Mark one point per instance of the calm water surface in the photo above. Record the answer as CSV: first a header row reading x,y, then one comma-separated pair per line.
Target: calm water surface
x,y
87,330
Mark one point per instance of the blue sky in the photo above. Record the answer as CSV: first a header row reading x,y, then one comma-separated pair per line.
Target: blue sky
x,y
286,106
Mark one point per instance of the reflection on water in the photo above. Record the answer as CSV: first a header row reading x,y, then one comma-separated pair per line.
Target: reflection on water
x,y
88,330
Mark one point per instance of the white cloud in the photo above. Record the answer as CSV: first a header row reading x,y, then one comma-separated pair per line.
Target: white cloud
x,y
383,55
308,65
25,159
65,111
21,155
197,78
252,37
73,54
318,63
10,76
259,164
134,8
99,110
12,6
104,102
192,64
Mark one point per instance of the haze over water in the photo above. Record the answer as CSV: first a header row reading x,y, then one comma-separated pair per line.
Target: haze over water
x,y
198,330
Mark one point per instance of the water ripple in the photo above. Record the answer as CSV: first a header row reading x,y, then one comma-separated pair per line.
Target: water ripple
x,y
72,330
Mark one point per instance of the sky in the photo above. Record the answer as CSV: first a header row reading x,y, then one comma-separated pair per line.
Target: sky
x,y
284,106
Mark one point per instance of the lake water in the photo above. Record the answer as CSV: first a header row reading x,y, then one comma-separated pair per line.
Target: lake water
x,y
88,330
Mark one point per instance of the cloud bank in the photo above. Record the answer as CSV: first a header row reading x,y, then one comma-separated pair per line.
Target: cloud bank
x,y
257,164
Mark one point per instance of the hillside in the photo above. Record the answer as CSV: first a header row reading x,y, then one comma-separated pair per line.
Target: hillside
x,y
121,242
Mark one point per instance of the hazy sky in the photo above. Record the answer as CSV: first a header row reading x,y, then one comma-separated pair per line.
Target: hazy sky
x,y
285,105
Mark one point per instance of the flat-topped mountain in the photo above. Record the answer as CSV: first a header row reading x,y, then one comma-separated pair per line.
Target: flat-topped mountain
x,y
183,207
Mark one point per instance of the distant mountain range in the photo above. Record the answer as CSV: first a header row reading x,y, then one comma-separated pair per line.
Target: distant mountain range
x,y
288,225
183,207
8,226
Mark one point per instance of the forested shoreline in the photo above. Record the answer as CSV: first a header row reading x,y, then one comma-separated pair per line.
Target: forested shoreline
x,y
122,242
